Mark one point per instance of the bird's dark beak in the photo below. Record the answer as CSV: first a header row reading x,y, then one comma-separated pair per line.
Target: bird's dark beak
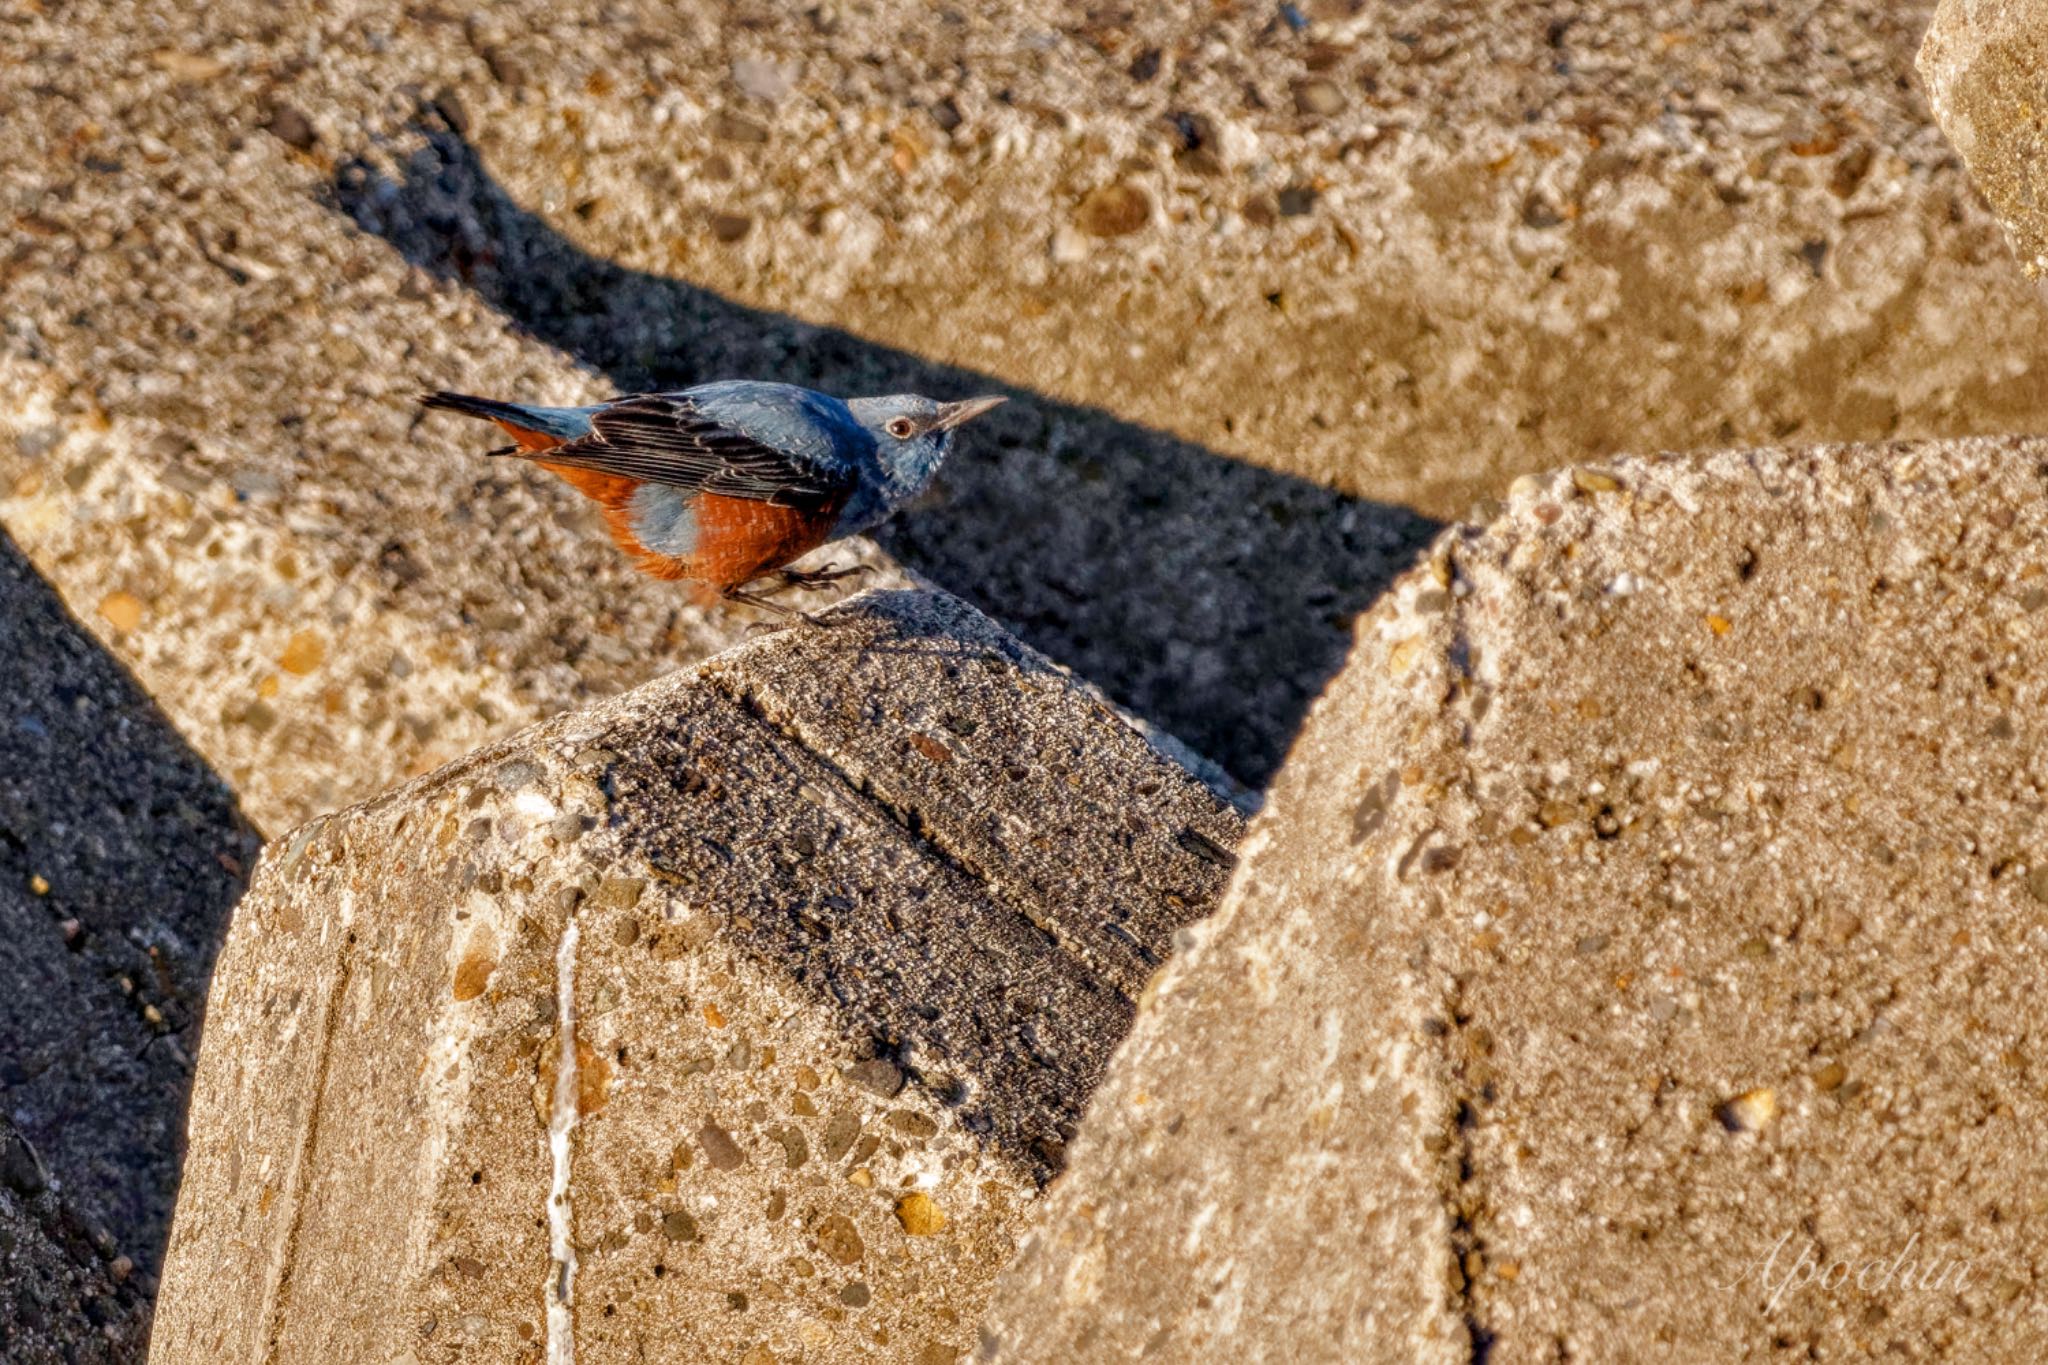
x,y
953,414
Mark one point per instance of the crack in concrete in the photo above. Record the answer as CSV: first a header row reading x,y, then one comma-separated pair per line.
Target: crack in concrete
x,y
1463,1200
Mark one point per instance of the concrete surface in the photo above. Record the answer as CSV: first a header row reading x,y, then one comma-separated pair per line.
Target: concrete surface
x,y
738,1018
1406,251
120,854
1276,296
67,1297
1639,957
1986,69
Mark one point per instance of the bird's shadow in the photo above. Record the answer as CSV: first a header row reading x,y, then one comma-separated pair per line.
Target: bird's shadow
x,y
1208,595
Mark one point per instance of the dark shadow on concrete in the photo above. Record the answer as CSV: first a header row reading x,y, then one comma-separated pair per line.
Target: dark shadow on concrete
x,y
1206,594
983,922
121,855
60,1300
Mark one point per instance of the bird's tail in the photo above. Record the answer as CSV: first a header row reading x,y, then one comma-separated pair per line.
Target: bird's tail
x,y
490,409
537,428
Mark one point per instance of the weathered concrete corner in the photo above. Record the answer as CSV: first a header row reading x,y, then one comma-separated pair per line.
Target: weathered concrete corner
x,y
1985,63
737,1018
1646,924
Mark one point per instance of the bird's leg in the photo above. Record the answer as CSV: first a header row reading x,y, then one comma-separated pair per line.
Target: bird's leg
x,y
782,580
778,583
812,579
789,615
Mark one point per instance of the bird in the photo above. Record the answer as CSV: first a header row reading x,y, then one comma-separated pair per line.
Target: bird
x,y
729,482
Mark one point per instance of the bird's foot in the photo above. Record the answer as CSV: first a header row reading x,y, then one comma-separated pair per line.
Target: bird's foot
x,y
785,616
810,580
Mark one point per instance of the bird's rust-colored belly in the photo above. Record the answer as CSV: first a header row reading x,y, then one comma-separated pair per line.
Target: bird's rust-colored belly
x,y
739,539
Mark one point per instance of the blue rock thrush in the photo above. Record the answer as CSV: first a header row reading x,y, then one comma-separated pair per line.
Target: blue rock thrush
x,y
727,483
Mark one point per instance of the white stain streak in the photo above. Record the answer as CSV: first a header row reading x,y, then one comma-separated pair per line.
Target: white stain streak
x,y
561,1286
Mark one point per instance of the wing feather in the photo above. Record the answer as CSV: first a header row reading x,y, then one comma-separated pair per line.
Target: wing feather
x,y
670,439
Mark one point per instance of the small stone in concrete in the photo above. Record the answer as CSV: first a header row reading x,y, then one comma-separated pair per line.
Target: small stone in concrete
x,y
876,1076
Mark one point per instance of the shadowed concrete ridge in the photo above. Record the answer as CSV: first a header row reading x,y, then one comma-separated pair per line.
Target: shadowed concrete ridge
x,y
120,855
1652,904
743,1013
1985,63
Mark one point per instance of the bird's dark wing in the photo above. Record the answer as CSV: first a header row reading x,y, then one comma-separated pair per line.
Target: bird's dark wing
x,y
668,438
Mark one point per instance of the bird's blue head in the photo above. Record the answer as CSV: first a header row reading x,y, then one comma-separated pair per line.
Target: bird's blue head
x,y
912,434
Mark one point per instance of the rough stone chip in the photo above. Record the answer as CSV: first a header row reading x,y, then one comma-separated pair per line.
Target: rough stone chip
x,y
1637,955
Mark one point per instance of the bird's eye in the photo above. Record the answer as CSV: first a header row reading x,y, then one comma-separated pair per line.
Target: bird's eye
x,y
901,428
